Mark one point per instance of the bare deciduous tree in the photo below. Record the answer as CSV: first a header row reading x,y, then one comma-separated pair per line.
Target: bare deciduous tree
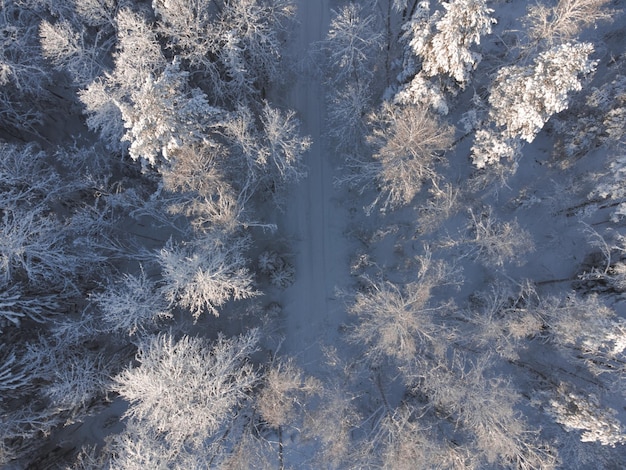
x,y
400,322
565,20
285,393
407,143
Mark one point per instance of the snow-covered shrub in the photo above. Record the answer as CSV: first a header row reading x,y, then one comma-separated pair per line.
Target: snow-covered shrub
x,y
281,273
187,389
269,261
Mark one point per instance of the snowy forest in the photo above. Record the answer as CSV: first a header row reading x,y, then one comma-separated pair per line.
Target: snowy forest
x,y
312,234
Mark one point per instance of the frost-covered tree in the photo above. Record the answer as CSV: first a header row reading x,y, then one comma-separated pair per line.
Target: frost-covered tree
x,y
257,25
483,407
131,304
442,42
442,203
33,247
523,98
351,44
284,144
332,424
444,46
26,177
502,321
138,59
407,142
16,373
586,328
15,306
76,378
204,275
188,389
353,48
404,437
164,114
72,51
189,28
140,446
235,45
347,108
271,154
23,74
138,54
200,183
583,413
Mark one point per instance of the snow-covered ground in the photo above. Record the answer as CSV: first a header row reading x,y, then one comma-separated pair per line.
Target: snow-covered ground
x,y
314,218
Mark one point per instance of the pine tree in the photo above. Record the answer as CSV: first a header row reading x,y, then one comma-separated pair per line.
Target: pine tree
x,y
523,98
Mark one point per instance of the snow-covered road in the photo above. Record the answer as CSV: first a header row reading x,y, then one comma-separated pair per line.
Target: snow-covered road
x,y
313,219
